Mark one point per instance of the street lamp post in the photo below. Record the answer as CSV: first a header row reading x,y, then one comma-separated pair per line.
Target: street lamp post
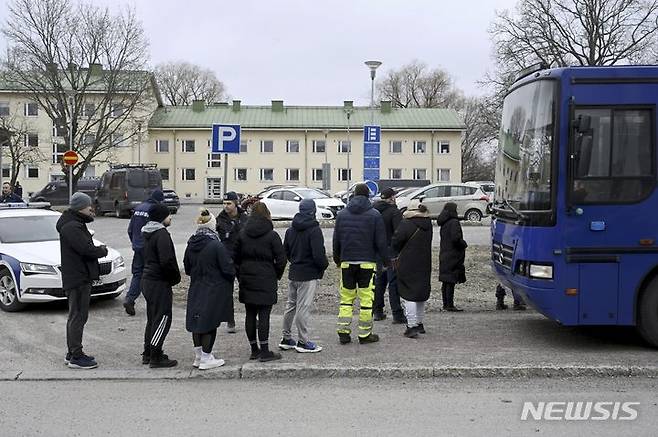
x,y
372,65
348,112
325,168
139,142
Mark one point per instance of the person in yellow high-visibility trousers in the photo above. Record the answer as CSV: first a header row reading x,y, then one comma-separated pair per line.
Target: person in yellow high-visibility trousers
x,y
359,242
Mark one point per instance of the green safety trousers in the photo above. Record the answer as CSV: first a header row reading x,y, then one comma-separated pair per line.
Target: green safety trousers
x,y
356,280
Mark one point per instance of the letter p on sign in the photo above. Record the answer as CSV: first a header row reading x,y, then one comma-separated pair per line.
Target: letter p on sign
x,y
226,138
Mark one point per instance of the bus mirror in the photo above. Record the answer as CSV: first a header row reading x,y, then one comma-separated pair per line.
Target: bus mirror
x,y
583,156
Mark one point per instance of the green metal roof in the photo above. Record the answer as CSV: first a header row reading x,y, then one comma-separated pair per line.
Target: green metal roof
x,y
304,117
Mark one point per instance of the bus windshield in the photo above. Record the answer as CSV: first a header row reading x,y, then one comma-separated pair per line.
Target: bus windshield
x,y
523,167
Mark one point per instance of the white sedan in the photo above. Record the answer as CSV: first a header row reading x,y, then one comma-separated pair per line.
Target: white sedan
x,y
30,260
283,202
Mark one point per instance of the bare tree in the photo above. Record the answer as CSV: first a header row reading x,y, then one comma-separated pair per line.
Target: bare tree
x,y
478,142
83,65
19,147
182,82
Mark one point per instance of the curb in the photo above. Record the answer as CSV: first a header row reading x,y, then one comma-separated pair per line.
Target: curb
x,y
253,371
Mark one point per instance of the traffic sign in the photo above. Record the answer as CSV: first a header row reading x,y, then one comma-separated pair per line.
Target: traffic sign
x,y
374,188
226,138
70,157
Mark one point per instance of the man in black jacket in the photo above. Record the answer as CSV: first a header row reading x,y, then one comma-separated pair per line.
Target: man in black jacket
x,y
359,243
160,274
304,246
229,223
79,267
8,196
386,276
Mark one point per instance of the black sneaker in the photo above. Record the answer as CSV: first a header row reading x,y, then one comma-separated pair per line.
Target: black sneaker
x,y
344,338
371,338
378,316
501,306
146,358
453,309
411,332
162,361
67,358
421,328
82,362
269,356
519,307
130,308
254,354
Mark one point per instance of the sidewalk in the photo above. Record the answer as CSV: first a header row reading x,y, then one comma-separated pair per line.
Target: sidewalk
x,y
484,344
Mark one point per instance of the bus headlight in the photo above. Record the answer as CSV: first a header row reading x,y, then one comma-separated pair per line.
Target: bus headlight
x,y
540,271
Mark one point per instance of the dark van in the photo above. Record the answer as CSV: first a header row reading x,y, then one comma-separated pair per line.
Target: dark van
x,y
57,192
125,186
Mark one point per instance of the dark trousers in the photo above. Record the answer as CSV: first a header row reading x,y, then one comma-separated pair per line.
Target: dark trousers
x,y
257,319
387,277
78,299
136,282
501,293
448,294
159,299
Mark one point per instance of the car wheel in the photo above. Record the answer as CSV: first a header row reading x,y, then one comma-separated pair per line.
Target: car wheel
x,y
97,210
473,215
174,211
119,212
403,210
9,293
647,315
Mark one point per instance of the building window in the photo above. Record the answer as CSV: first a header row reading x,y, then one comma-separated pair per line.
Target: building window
x,y
4,109
117,111
32,140
420,173
267,146
292,146
59,131
189,174
188,146
420,147
443,174
240,174
162,146
396,147
319,146
292,174
344,146
243,146
5,171
118,140
164,174
58,152
443,147
395,173
317,174
214,160
88,110
32,172
344,174
31,109
266,174
90,171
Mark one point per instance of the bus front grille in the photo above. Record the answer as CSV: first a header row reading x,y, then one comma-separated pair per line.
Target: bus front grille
x,y
501,254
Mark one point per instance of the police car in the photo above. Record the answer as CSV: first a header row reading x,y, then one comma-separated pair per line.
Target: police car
x,y
30,259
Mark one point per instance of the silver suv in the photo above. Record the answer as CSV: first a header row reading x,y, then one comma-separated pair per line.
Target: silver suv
x,y
471,200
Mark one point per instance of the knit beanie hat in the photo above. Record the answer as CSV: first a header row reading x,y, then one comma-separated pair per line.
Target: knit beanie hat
x,y
307,207
157,195
206,219
388,193
159,213
362,190
232,196
79,201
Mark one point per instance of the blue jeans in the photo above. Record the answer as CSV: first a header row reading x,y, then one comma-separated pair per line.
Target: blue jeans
x,y
387,277
135,284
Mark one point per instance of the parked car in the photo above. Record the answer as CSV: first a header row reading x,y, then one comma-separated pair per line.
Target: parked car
x,y
283,203
125,186
171,200
471,200
30,259
57,192
489,188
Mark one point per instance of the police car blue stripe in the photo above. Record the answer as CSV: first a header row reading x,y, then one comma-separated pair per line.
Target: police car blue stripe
x,y
15,266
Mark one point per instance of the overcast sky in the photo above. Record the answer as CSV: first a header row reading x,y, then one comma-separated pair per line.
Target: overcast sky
x,y
311,52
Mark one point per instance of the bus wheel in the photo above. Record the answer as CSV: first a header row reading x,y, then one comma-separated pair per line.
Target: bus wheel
x,y
647,316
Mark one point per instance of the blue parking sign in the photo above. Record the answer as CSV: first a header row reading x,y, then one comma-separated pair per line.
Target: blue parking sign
x,y
371,134
226,138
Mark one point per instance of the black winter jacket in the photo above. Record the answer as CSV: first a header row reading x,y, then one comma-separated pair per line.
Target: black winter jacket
x,y
304,246
359,234
391,216
229,228
79,255
414,238
211,272
452,249
138,220
260,262
160,262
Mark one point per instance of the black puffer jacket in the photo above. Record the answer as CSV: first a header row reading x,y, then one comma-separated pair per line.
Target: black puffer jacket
x,y
391,216
79,255
452,250
260,262
229,228
211,272
414,238
359,234
304,246
160,262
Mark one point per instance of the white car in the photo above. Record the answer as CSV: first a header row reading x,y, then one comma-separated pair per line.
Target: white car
x,y
30,260
283,202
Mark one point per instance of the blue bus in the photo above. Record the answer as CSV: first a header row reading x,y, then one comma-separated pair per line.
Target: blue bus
x,y
575,228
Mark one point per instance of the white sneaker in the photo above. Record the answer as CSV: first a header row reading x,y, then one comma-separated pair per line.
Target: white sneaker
x,y
210,363
197,357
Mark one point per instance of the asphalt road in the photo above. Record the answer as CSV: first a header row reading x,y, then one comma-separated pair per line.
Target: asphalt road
x,y
341,407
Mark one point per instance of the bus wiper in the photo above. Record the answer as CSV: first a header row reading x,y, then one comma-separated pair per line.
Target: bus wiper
x,y
516,212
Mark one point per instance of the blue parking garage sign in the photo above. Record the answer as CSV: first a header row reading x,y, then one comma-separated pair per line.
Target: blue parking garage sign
x,y
371,151
226,138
